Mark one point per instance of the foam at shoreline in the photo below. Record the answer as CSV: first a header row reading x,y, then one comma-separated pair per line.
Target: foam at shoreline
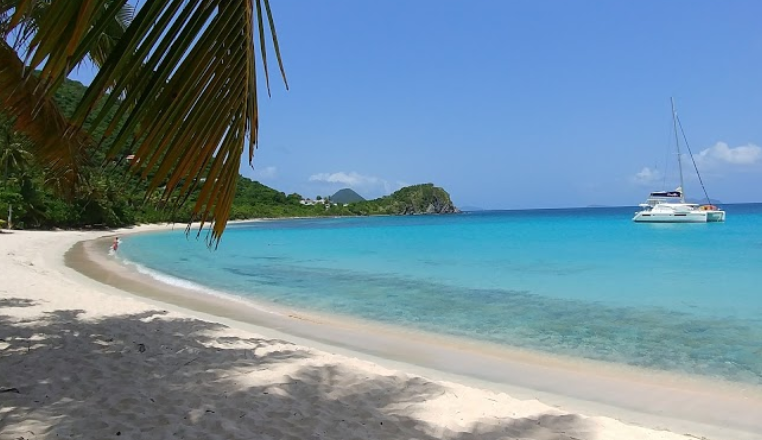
x,y
613,389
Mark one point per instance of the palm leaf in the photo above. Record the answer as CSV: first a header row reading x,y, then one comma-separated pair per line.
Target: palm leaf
x,y
39,118
22,94
106,31
182,77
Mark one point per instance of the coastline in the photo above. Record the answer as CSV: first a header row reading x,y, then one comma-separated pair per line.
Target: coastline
x,y
681,406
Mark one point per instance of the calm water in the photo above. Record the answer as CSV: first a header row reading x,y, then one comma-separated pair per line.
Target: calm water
x,y
580,282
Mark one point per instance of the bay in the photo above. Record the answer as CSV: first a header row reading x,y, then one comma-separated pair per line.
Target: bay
x,y
584,282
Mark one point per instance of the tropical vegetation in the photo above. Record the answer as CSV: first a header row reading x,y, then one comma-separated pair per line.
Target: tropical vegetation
x,y
410,200
104,199
145,141
176,90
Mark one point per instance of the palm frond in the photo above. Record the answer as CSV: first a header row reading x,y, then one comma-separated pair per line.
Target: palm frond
x,y
183,80
39,118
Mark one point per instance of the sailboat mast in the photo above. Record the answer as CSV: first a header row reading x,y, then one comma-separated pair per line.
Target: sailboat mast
x,y
677,145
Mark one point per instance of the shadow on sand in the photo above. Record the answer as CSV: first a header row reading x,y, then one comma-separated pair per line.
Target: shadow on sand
x,y
149,375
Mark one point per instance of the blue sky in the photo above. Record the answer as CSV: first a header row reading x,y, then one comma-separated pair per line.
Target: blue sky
x,y
513,104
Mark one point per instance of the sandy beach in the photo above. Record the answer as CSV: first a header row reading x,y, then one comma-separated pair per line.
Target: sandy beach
x,y
83,359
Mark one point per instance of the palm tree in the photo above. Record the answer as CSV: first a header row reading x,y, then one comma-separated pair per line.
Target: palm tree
x,y
181,80
14,154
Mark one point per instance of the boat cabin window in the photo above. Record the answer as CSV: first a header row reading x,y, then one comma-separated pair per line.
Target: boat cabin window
x,y
669,194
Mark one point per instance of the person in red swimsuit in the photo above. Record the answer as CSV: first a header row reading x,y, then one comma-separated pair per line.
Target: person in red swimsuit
x,y
115,245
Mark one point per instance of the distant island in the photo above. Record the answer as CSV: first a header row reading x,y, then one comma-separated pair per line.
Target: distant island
x,y
255,200
410,200
346,195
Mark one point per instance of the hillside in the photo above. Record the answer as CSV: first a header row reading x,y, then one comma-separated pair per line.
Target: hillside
x,y
411,200
103,199
346,195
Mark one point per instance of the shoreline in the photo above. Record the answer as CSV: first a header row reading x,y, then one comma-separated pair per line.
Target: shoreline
x,y
657,402
626,391
367,337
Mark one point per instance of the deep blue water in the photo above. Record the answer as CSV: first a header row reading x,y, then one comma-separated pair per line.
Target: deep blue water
x,y
580,282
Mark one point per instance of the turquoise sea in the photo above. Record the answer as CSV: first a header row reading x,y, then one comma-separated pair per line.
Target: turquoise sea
x,y
581,282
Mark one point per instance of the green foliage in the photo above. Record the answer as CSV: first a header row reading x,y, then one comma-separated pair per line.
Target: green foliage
x,y
98,202
11,198
102,201
15,157
181,75
416,199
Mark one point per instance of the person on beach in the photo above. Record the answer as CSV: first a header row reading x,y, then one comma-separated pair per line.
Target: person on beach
x,y
115,245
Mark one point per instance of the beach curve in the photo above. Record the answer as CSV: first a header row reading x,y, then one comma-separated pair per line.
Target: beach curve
x,y
82,358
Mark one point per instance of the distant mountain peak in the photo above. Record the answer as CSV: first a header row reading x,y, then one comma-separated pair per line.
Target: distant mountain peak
x,y
346,195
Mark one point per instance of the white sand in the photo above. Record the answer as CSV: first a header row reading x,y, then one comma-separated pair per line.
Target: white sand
x,y
79,360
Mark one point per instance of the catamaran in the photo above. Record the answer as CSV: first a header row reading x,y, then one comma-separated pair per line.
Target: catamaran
x,y
670,206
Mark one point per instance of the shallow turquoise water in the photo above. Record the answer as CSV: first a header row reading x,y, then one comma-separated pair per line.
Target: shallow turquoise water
x,y
580,282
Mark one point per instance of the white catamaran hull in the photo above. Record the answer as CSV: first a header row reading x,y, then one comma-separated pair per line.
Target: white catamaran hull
x,y
689,217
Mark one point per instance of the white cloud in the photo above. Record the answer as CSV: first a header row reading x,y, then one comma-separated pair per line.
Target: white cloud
x,y
351,179
369,186
265,173
647,176
721,154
